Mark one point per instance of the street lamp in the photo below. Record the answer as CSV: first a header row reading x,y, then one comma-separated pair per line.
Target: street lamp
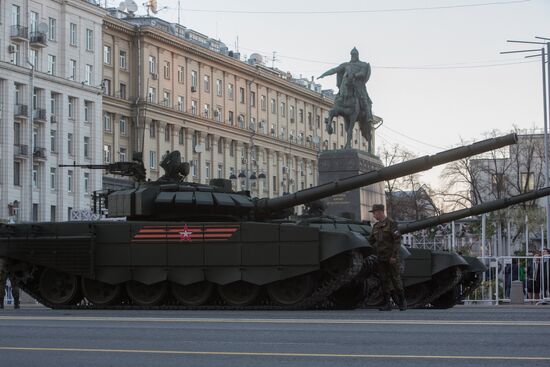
x,y
544,54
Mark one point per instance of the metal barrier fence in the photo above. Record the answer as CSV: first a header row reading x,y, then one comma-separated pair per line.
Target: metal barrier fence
x,y
496,286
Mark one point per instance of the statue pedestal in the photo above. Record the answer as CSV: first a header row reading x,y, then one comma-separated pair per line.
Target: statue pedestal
x,y
354,204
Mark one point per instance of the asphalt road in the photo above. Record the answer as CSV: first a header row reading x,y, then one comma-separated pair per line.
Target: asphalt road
x,y
462,336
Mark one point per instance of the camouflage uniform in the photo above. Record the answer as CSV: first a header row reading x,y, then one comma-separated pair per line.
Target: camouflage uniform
x,y
14,287
387,240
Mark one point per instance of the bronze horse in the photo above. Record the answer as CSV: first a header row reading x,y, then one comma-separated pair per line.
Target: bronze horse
x,y
348,105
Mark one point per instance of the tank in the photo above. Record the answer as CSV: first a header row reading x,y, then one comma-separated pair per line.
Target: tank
x,y
437,279
188,245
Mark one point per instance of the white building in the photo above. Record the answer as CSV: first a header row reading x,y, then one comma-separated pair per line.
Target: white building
x,y
50,106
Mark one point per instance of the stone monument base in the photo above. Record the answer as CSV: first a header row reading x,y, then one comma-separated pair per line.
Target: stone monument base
x,y
355,204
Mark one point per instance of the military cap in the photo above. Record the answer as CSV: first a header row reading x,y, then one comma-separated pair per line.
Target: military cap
x,y
376,207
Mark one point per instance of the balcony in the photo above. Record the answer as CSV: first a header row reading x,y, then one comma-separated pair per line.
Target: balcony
x,y
19,33
39,115
21,151
39,153
21,110
38,39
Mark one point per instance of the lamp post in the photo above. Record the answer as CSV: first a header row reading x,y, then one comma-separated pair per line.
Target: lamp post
x,y
30,132
544,53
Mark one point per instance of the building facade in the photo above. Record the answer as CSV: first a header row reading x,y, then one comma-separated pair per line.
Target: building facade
x,y
167,87
50,107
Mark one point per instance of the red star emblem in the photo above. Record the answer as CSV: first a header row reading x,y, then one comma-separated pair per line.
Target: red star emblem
x,y
186,234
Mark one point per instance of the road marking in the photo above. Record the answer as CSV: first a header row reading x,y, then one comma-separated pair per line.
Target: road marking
x,y
276,321
273,354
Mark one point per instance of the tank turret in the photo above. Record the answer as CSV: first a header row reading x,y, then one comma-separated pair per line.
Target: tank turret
x,y
172,198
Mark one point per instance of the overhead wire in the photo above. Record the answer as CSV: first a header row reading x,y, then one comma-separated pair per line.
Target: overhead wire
x,y
355,11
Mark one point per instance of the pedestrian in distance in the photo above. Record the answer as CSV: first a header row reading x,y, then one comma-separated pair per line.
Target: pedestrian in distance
x,y
14,287
386,239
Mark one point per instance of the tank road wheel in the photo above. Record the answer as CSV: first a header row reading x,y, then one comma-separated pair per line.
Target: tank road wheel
x,y
195,294
146,294
58,288
99,293
375,297
415,295
239,293
289,292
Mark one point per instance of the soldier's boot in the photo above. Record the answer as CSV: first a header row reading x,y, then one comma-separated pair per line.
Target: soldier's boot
x,y
387,303
402,301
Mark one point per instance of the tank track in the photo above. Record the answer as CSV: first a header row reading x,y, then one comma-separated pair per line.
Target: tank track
x,y
442,286
315,301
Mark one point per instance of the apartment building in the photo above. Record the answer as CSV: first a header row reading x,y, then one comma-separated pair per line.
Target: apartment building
x,y
167,87
50,107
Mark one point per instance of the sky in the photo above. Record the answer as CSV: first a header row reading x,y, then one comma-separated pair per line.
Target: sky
x,y
437,73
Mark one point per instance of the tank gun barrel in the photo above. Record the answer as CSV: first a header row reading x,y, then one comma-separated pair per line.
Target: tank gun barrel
x,y
133,169
386,173
474,210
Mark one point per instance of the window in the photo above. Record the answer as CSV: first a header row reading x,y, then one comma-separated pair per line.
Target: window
x,y
152,159
152,95
51,64
230,90
70,144
107,126
33,58
122,90
107,54
283,109
107,153
309,120
71,107
89,76
152,65
15,56
194,165
220,145
208,142
70,180
206,110
87,111
253,99
207,170
166,70
193,79
72,69
73,39
207,83
152,129
220,170
218,114
35,176
122,154
33,22
86,147
166,99
272,105
318,121
230,118
107,87
181,104
527,181
181,136
89,40
241,95
193,107
52,178
52,29
219,88
167,132
15,15
181,74
240,120
16,133
52,213
86,182
291,113
122,125
53,140
232,148
301,115
263,104
16,174
122,60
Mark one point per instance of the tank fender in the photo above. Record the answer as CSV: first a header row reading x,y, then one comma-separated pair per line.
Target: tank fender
x,y
444,260
474,264
334,243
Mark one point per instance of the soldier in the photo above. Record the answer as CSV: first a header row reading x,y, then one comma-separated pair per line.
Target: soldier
x,y
14,288
387,240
